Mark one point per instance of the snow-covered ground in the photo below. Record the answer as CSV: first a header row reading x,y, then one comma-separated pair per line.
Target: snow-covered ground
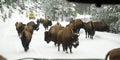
x,y
11,47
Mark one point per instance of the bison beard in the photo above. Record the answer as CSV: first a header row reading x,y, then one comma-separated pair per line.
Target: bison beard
x,y
47,36
114,54
26,39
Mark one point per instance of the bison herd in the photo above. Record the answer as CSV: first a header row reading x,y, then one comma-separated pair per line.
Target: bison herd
x,y
67,35
25,31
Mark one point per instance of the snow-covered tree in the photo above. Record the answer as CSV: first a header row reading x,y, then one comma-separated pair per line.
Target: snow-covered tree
x,y
108,13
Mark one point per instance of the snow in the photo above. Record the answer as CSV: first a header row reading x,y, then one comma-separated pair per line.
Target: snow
x,y
11,47
83,17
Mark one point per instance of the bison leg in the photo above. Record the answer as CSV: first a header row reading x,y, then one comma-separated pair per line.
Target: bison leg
x,y
58,47
63,47
66,48
86,33
78,30
27,45
55,43
23,43
70,47
46,28
91,37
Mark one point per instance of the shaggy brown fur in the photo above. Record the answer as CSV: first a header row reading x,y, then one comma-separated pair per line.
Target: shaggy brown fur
x,y
114,54
72,25
78,24
26,39
67,38
89,29
33,25
2,58
101,26
29,28
46,23
19,27
51,35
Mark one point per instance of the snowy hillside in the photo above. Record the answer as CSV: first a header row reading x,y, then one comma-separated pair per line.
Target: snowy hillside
x,y
11,47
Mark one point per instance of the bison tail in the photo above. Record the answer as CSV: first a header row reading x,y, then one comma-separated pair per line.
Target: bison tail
x,y
107,55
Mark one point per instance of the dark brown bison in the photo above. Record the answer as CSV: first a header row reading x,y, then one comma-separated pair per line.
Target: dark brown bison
x,y
114,54
2,58
51,35
78,24
67,38
89,29
101,26
32,26
40,20
46,23
19,27
25,39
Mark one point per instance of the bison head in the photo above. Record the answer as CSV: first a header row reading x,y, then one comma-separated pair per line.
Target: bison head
x,y
50,23
47,36
75,40
36,27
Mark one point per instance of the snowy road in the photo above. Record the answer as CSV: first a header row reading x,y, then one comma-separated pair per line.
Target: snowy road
x,y
11,47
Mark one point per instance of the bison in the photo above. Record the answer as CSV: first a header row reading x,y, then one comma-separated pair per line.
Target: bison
x,y
78,23
25,39
114,54
40,20
89,29
101,26
35,26
51,35
46,23
19,27
67,38
72,25
2,58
